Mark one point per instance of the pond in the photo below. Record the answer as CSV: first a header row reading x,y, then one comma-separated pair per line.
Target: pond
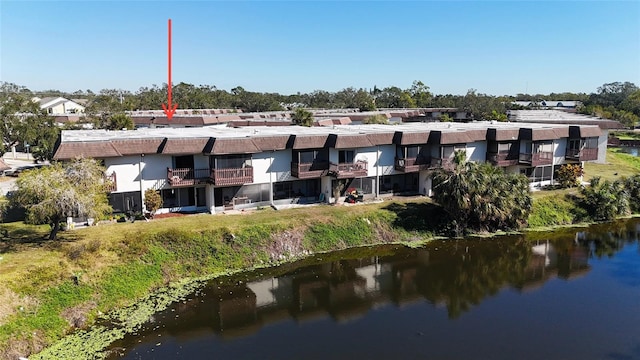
x,y
631,150
561,295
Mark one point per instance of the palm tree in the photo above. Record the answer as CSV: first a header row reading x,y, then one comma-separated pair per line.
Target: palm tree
x,y
302,117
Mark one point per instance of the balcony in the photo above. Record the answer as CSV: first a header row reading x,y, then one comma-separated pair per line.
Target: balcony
x,y
408,165
586,154
187,176
444,163
111,182
502,159
537,159
312,170
232,176
348,170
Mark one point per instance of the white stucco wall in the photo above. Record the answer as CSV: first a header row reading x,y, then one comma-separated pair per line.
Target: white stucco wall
x,y
602,147
477,151
559,151
127,169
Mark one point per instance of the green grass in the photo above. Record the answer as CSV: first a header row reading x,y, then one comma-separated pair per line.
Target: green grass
x,y
618,165
118,264
627,135
555,210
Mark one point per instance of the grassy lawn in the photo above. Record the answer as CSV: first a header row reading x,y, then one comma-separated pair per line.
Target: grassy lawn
x,y
618,165
47,286
627,135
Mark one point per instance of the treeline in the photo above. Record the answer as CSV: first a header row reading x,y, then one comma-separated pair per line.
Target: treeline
x,y
618,101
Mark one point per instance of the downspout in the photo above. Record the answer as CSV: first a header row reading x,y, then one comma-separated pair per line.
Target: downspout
x,y
553,157
377,173
140,175
271,179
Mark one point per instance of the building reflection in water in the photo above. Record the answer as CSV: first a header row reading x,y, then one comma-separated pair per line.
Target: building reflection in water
x,y
453,274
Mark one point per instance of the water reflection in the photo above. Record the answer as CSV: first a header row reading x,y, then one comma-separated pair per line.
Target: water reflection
x,y
456,275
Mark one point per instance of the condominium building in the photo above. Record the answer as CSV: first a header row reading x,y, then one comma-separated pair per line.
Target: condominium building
x,y
214,169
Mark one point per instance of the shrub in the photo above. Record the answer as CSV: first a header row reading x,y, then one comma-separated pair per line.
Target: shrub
x,y
152,201
605,200
569,175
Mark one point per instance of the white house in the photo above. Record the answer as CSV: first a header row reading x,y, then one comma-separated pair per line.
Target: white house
x,y
213,169
60,105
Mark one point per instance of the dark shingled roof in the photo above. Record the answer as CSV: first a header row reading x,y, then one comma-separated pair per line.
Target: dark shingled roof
x,y
451,137
497,134
352,141
476,134
223,146
383,138
590,131
412,138
184,146
310,141
88,149
546,133
137,146
276,142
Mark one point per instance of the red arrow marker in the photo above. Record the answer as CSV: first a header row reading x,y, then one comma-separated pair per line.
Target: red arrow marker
x,y
168,109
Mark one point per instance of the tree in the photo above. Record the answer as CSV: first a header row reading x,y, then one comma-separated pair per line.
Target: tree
x,y
446,118
376,119
420,94
302,117
53,193
482,197
21,119
569,175
119,121
152,201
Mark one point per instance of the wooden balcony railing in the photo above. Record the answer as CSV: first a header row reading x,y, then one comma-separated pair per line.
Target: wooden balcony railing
x,y
315,169
348,170
445,163
586,154
412,164
537,159
187,176
232,176
502,159
111,182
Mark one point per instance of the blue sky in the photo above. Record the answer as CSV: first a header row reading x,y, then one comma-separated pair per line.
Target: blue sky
x,y
502,47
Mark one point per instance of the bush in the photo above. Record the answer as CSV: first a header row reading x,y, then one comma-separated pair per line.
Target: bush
x,y
152,201
605,200
569,175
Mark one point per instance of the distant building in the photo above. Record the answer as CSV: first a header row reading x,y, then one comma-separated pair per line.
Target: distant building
x,y
549,104
61,106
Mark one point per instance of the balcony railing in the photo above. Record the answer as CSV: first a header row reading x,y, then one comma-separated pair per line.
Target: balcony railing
x,y
232,176
502,159
315,169
187,176
412,164
582,155
537,159
111,182
445,163
348,170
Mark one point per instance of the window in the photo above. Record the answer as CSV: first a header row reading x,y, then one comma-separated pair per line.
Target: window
x,y
231,161
308,157
504,147
346,156
447,152
539,147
